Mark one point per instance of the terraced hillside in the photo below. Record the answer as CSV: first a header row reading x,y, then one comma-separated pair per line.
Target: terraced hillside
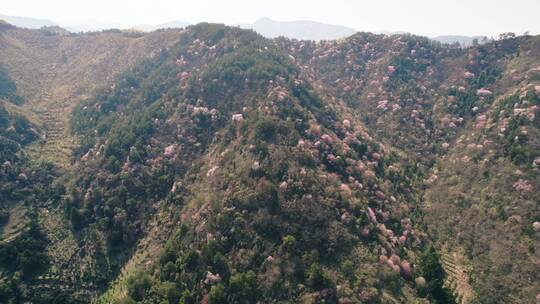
x,y
54,72
458,278
212,165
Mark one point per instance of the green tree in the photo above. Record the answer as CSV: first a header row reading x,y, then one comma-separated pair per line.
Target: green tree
x,y
433,272
137,285
288,243
187,298
243,287
217,295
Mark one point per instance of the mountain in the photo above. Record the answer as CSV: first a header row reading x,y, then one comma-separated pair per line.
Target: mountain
x,y
93,27
307,30
214,165
167,25
100,26
452,113
390,33
26,22
464,41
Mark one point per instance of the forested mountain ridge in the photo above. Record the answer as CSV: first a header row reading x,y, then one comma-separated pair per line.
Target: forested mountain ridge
x,y
473,113
222,167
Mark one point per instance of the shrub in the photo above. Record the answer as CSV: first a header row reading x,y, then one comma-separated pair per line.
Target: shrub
x,y
288,243
318,278
137,285
8,88
265,129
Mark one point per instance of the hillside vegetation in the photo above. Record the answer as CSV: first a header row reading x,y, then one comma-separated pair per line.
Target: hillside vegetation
x,y
212,165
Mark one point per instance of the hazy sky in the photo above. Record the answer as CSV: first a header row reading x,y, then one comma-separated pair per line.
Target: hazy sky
x,y
424,17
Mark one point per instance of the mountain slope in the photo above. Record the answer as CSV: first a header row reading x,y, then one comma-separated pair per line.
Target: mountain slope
x,y
492,208
54,72
214,165
270,195
426,99
464,41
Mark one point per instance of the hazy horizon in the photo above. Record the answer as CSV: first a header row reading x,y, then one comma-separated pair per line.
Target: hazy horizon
x,y
422,17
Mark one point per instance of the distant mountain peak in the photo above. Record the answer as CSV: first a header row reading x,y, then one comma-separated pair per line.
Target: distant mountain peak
x,y
264,19
464,41
299,29
166,25
55,29
27,22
